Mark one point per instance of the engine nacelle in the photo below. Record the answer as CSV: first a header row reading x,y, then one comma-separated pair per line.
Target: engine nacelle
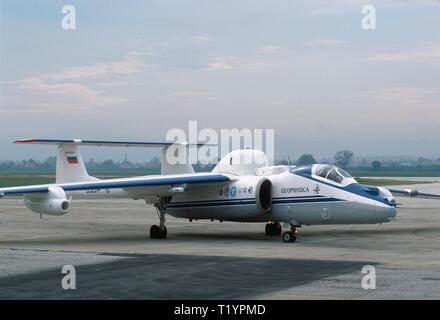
x,y
260,187
263,195
246,198
54,202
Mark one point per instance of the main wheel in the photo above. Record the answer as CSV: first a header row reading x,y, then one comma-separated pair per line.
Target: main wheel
x,y
278,229
273,229
268,229
288,236
157,233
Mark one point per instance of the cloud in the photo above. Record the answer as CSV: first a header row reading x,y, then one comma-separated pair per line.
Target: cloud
x,y
200,40
234,63
82,93
326,42
220,65
402,95
66,83
325,7
115,83
269,49
131,64
428,54
190,93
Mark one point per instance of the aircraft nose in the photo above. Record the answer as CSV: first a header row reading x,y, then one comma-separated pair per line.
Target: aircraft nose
x,y
391,213
386,209
385,213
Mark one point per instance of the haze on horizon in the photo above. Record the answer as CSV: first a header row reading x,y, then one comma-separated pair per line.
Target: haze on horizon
x,y
306,69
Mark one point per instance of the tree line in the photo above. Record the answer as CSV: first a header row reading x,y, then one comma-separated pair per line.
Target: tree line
x,y
342,158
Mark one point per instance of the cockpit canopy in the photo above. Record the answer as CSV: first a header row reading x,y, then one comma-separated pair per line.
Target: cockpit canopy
x,y
332,173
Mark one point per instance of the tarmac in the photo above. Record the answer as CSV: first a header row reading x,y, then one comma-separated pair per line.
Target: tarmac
x,y
107,242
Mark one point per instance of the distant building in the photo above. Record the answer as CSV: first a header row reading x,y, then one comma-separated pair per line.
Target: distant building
x,y
126,164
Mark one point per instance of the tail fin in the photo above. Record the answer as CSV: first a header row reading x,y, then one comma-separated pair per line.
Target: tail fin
x,y
182,164
70,165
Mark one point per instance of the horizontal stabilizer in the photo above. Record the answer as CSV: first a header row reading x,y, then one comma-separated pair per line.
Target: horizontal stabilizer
x,y
100,143
68,174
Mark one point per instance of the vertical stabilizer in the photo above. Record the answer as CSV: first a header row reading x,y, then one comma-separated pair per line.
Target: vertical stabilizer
x,y
70,165
175,160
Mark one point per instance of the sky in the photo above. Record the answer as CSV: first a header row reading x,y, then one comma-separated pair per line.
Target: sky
x,y
307,69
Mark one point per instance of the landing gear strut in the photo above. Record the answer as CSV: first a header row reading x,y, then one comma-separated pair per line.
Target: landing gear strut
x,y
273,229
160,231
290,236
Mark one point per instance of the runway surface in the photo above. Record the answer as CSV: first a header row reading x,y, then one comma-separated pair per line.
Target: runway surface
x,y
107,243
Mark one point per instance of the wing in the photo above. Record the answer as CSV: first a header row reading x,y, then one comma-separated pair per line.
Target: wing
x,y
149,184
413,193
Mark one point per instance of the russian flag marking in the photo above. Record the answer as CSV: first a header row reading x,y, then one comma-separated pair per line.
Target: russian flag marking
x,y
71,158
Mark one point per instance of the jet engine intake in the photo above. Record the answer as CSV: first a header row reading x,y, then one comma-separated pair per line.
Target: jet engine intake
x,y
54,202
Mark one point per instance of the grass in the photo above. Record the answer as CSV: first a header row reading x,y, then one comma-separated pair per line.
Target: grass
x,y
13,181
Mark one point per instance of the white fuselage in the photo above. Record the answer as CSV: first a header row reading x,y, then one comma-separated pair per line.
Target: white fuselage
x,y
295,199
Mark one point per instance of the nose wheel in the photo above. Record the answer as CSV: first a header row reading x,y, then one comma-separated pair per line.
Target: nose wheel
x,y
290,236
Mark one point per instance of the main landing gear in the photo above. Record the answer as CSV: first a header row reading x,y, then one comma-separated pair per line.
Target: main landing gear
x,y
273,229
290,236
160,231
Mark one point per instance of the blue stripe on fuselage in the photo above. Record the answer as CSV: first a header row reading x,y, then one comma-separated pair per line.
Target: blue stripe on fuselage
x,y
355,188
246,201
293,200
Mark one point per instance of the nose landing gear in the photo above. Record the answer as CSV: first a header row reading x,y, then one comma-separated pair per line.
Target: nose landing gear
x,y
290,236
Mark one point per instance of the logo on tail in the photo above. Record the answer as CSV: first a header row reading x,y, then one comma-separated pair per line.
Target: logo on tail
x,y
71,158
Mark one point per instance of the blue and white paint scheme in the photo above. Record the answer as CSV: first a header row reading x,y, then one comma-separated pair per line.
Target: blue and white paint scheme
x,y
235,190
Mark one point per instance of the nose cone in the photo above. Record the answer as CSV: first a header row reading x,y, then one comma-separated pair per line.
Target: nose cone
x,y
385,213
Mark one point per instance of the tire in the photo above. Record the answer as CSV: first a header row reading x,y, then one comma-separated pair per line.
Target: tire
x,y
277,229
273,229
164,232
289,236
157,233
268,229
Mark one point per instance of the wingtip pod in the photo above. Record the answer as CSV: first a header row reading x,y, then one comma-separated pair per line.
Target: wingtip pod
x,y
49,141
24,140
411,192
